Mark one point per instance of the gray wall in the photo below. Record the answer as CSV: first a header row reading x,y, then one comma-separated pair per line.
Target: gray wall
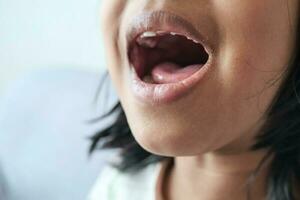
x,y
48,34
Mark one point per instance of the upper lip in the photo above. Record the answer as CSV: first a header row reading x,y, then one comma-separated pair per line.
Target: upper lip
x,y
164,21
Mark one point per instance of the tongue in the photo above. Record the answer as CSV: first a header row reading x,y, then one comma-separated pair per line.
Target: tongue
x,y
171,73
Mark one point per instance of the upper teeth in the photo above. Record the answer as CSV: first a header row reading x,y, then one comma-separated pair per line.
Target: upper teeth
x,y
150,34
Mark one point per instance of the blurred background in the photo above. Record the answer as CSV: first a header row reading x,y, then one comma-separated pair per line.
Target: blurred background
x,y
48,34
51,64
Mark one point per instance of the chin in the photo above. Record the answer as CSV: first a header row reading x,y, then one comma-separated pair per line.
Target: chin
x,y
171,140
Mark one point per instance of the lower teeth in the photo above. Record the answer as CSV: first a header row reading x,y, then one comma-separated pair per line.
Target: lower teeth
x,y
148,79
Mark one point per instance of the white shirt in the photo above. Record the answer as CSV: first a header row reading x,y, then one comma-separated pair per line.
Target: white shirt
x,y
115,185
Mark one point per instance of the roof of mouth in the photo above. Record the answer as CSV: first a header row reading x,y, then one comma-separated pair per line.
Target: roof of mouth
x,y
152,48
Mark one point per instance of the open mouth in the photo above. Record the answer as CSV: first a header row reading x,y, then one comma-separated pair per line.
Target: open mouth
x,y
161,57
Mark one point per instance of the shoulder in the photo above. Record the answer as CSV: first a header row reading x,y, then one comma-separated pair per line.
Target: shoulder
x,y
113,184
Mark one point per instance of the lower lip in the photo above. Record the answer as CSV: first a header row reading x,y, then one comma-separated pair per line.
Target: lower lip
x,y
155,94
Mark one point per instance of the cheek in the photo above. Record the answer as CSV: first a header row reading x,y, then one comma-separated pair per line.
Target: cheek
x,y
111,15
256,45
262,29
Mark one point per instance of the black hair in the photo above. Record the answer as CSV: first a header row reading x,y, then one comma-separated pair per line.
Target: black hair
x,y
280,135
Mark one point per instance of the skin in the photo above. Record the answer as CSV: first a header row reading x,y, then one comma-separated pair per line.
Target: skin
x,y
210,130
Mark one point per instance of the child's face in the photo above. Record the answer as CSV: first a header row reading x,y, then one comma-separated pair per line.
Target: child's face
x,y
248,46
